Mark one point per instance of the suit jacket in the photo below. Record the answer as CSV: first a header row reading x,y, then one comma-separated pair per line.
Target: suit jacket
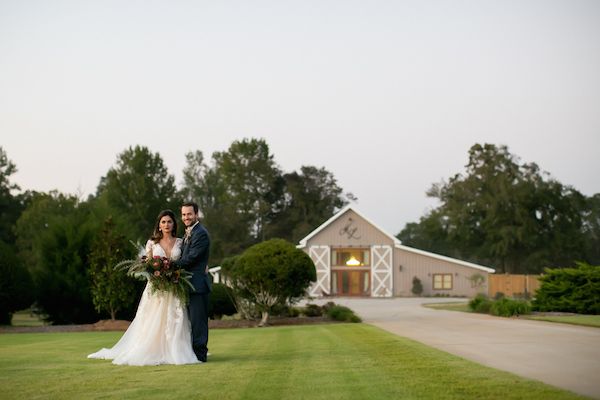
x,y
194,258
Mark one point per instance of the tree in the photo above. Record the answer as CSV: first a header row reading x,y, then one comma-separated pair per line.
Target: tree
x,y
54,235
43,212
137,189
245,198
16,287
238,194
62,284
430,233
112,290
591,228
7,168
11,205
311,197
269,273
503,213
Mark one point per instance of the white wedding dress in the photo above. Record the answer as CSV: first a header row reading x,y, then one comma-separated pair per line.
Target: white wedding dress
x,y
160,333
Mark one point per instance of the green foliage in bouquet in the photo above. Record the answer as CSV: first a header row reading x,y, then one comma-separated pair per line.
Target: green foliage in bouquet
x,y
162,274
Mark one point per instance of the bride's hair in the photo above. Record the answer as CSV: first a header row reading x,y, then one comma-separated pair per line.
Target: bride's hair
x,y
157,234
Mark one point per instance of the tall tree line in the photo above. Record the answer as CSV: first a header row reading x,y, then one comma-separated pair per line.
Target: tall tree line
x,y
57,247
508,215
16,287
246,198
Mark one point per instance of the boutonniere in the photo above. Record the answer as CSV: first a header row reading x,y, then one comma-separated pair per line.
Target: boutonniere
x,y
188,235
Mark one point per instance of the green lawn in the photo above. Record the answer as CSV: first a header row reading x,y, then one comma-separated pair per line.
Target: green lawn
x,y
464,307
585,320
26,318
336,361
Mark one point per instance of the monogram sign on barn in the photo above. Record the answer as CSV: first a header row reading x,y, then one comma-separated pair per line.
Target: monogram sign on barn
x,y
350,230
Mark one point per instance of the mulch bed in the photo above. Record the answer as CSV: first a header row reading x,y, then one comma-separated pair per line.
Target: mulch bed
x,y
121,325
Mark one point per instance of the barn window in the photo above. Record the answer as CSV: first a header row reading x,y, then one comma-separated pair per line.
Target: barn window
x,y
442,281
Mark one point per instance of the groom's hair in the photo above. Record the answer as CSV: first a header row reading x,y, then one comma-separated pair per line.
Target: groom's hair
x,y
191,204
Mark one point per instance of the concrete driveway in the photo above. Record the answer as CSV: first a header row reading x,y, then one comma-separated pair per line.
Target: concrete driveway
x,y
566,356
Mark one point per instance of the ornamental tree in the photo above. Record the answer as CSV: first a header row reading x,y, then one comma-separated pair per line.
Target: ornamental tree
x,y
112,290
269,273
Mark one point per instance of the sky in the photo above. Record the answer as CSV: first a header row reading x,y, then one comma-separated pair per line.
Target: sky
x,y
387,95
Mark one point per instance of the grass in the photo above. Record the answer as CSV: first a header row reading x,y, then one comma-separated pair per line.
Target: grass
x,y
584,320
336,361
464,307
26,318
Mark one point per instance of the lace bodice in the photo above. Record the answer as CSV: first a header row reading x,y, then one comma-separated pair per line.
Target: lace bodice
x,y
157,250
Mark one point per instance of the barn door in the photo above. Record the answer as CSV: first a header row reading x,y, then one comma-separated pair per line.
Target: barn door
x,y
381,272
321,258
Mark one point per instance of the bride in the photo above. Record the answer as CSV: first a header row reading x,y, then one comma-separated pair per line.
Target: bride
x,y
160,333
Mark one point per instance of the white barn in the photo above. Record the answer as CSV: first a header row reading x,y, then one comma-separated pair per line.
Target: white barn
x,y
354,257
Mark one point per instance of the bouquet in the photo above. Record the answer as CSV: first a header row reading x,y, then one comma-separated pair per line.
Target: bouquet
x,y
161,273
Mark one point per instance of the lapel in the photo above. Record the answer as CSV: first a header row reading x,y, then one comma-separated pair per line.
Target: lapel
x,y
187,240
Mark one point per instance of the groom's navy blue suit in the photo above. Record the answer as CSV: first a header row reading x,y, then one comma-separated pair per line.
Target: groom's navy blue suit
x,y
194,258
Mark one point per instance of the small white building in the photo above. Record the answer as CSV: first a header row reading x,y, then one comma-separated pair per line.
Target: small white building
x,y
354,257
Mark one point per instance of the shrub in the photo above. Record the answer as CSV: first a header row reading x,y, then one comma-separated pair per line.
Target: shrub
x,y
221,302
480,304
312,310
293,312
507,307
574,290
499,295
417,286
16,286
327,306
342,313
269,273
285,310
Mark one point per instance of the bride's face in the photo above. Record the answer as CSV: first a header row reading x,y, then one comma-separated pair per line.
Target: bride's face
x,y
166,225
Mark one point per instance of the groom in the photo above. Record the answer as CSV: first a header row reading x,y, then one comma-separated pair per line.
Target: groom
x,y
194,258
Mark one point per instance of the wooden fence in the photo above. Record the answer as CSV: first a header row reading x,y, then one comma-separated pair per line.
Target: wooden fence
x,y
513,285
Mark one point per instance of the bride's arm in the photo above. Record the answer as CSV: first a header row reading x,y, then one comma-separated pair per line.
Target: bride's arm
x,y
149,245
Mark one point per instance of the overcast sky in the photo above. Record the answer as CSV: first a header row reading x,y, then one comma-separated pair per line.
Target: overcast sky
x,y
387,95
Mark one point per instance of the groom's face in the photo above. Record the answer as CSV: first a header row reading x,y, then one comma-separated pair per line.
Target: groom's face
x,y
188,216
